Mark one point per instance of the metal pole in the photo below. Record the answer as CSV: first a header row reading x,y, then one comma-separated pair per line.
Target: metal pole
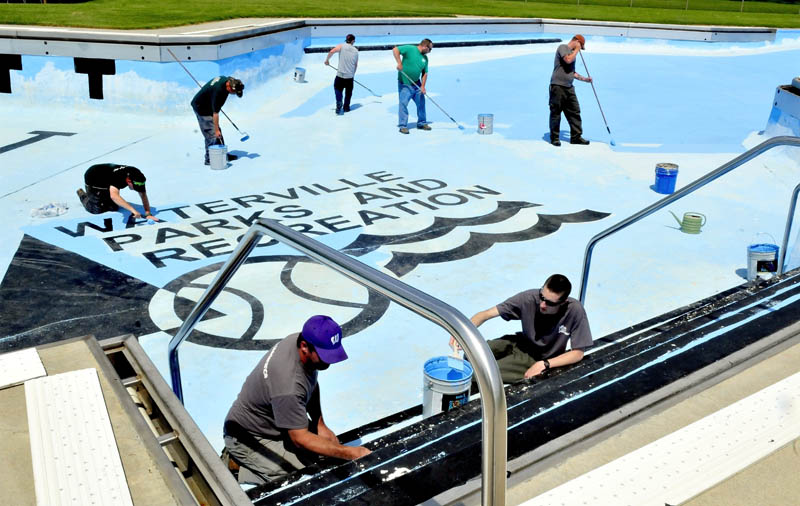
x,y
224,275
490,384
691,187
788,229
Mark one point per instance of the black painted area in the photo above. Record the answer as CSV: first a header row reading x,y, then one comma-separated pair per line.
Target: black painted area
x,y
49,294
8,62
38,135
96,68
464,43
439,456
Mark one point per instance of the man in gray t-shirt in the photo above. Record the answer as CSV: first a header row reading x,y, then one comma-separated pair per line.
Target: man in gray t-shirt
x,y
345,73
562,93
550,319
275,425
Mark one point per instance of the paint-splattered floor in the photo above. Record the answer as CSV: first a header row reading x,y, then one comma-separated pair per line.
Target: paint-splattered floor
x,y
694,104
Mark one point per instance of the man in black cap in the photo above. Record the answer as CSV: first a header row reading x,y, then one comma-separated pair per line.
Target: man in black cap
x,y
275,425
208,102
103,184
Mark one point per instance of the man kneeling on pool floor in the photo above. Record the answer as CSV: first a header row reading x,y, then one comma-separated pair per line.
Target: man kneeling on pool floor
x,y
550,320
275,425
104,182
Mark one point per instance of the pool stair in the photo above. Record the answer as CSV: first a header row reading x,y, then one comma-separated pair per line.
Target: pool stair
x,y
626,374
88,422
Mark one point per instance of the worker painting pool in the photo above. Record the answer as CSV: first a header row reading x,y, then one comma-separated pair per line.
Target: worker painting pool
x,y
468,218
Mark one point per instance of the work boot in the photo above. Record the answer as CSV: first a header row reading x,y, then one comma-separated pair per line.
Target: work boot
x,y
423,127
404,130
555,142
579,140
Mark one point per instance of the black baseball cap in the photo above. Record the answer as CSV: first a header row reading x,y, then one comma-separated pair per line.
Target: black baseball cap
x,y
137,178
236,86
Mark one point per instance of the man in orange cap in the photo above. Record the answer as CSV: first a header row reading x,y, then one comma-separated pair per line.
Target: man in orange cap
x,y
562,93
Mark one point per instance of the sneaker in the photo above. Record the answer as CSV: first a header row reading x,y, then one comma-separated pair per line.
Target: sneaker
x,y
207,163
339,112
423,127
346,109
404,130
579,140
555,142
232,157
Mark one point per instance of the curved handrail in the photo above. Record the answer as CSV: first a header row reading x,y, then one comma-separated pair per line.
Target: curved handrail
x,y
490,384
788,229
691,187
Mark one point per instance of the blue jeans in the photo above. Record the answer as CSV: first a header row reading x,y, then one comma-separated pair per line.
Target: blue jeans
x,y
406,93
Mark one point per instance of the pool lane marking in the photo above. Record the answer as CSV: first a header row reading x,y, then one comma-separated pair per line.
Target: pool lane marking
x,y
76,165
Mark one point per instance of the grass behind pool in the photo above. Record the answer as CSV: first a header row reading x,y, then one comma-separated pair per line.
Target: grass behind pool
x,y
140,14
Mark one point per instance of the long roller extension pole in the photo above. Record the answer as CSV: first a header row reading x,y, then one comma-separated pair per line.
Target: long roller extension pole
x,y
244,135
596,98
358,83
434,101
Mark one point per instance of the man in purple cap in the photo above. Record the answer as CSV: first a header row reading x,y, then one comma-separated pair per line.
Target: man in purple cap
x,y
275,425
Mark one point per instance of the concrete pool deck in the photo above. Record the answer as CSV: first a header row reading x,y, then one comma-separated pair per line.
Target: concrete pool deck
x,y
332,174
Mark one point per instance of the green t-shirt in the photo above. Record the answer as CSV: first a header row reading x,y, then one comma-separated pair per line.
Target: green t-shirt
x,y
414,63
211,97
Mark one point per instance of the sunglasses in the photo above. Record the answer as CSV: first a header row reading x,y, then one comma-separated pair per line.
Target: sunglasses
x,y
550,302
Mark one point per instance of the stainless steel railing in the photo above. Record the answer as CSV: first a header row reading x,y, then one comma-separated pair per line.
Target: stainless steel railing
x,y
691,187
493,401
788,229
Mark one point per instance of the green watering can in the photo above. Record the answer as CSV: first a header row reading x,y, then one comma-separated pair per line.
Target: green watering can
x,y
691,223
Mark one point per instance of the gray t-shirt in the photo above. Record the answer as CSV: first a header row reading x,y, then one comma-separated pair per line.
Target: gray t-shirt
x,y
548,334
348,61
563,72
275,397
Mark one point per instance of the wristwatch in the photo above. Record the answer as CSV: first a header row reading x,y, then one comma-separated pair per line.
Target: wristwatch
x,y
546,364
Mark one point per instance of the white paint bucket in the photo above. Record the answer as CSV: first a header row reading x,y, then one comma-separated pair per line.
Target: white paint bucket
x,y
762,261
218,156
299,74
485,124
445,385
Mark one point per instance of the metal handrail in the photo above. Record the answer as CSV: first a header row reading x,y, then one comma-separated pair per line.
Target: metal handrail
x,y
789,219
691,187
493,401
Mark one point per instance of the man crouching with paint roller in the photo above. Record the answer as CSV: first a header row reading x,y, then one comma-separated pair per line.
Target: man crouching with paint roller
x,y
275,425
207,104
550,319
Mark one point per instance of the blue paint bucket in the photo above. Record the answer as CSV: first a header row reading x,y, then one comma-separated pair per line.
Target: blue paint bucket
x,y
445,384
666,177
762,261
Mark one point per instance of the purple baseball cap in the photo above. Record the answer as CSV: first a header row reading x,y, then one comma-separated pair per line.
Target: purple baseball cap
x,y
326,336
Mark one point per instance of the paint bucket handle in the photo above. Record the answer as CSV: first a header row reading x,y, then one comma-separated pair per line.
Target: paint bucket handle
x,y
756,240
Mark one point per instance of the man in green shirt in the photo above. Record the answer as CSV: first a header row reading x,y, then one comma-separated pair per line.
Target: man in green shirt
x,y
411,78
208,102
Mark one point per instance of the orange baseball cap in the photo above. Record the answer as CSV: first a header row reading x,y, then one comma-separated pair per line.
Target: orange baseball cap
x,y
580,39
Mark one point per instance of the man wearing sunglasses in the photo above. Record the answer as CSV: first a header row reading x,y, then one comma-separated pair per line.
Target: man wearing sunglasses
x,y
550,319
275,425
